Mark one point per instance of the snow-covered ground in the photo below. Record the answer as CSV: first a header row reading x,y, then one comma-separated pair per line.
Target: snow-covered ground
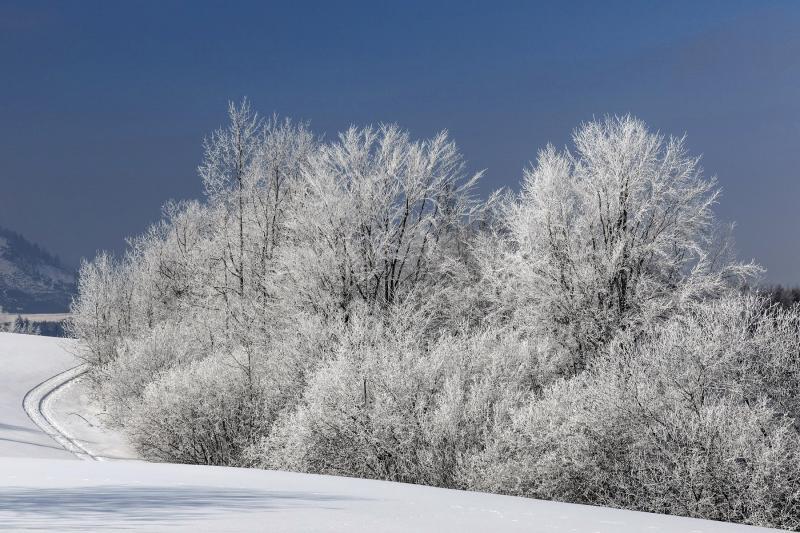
x,y
79,417
25,362
43,487
78,495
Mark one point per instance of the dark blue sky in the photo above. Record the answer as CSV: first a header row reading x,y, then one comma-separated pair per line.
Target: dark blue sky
x,y
103,106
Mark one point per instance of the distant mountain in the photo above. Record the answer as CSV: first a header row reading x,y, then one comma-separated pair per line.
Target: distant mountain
x,y
31,279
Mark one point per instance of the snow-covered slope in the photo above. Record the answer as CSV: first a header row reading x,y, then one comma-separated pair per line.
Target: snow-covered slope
x,y
26,361
81,419
31,280
42,486
79,495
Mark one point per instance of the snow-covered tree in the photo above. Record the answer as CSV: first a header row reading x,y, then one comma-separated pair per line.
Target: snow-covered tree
x,y
227,172
350,307
379,219
615,235
101,312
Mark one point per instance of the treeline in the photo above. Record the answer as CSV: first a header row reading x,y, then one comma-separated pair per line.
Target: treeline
x,y
351,307
783,296
21,325
24,325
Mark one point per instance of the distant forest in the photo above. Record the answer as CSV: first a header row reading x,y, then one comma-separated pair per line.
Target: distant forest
x,y
32,280
784,296
22,248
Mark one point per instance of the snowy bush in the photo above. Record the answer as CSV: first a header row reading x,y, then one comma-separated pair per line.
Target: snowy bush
x,y
368,411
202,413
351,307
691,420
388,405
141,361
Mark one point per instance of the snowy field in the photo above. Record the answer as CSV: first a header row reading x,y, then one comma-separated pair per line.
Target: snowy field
x,y
43,486
25,362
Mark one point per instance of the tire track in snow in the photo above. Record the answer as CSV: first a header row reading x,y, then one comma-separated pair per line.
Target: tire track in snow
x,y
35,404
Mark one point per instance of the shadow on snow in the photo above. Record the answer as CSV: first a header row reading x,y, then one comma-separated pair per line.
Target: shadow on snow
x,y
82,507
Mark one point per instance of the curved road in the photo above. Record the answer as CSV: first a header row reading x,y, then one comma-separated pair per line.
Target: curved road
x,y
27,365
36,405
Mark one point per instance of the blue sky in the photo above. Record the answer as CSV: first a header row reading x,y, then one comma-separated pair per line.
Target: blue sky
x,y
103,105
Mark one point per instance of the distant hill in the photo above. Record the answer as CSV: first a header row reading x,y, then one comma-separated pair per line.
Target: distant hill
x,y
31,279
